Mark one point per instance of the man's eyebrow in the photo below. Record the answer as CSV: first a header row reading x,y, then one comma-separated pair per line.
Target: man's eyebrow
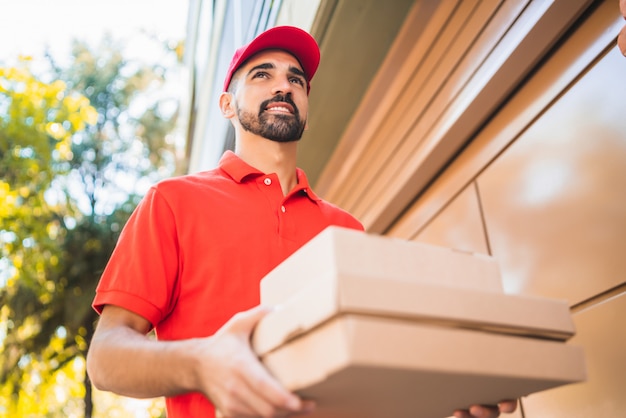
x,y
297,71
269,66
264,66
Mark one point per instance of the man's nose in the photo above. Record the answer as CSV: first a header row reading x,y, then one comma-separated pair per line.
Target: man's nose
x,y
282,85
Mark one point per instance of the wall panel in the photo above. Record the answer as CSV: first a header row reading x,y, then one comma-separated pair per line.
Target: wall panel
x,y
555,201
550,170
546,86
458,226
600,331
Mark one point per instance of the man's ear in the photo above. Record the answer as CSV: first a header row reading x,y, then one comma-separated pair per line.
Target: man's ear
x,y
226,105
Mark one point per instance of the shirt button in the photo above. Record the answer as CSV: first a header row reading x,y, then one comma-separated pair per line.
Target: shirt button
x,y
282,208
267,181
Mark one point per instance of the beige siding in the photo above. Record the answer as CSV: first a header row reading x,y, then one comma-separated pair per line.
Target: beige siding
x,y
432,94
468,234
555,200
522,157
601,332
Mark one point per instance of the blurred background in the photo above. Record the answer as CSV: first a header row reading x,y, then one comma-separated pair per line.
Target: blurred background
x,y
493,127
90,95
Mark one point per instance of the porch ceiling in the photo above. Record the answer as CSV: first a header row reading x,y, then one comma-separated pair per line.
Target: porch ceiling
x,y
354,37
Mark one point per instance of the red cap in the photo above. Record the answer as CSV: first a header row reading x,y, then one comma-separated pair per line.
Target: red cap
x,y
288,38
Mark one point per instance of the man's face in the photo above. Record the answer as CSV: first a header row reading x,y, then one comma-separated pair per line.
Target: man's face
x,y
270,96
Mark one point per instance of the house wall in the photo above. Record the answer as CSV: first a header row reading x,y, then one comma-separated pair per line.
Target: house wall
x,y
552,209
498,127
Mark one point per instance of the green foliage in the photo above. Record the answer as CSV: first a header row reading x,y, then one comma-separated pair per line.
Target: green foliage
x,y
132,132
76,153
37,123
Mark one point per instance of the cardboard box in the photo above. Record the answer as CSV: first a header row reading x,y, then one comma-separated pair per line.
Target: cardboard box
x,y
320,300
356,254
367,367
376,327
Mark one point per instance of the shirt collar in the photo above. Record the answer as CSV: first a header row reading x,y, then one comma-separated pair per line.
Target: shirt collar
x,y
237,168
240,171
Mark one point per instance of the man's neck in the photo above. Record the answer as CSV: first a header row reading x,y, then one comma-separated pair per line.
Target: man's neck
x,y
271,157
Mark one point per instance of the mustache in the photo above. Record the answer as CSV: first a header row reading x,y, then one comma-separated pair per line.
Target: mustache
x,y
280,98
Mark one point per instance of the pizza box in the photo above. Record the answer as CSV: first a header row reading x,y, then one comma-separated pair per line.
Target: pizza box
x,y
327,277
371,326
358,366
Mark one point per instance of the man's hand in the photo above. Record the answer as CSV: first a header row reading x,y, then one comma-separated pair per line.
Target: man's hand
x,y
621,38
478,411
223,367
234,379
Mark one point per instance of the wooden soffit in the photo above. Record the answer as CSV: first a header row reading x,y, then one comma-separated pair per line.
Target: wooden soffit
x,y
451,67
354,37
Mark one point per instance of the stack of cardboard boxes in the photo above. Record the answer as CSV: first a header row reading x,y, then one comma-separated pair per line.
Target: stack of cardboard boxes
x,y
374,327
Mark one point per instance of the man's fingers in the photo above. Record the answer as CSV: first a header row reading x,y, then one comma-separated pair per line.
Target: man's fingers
x,y
261,381
254,391
249,402
244,322
482,411
508,406
247,388
485,411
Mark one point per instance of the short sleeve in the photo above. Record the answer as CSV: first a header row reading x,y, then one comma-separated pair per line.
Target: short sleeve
x,y
142,272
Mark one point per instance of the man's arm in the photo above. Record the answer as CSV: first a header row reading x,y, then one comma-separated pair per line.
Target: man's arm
x,y
122,359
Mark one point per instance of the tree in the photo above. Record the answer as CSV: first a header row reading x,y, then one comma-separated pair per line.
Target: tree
x,y
37,123
74,173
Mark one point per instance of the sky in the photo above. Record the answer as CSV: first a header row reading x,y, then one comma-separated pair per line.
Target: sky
x,y
28,26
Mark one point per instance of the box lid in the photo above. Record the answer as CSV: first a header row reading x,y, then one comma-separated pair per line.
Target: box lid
x,y
427,304
358,254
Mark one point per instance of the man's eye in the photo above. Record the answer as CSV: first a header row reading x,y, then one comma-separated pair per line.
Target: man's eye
x,y
297,80
260,74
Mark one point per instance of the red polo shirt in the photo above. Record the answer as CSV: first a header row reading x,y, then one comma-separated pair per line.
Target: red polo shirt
x,y
193,252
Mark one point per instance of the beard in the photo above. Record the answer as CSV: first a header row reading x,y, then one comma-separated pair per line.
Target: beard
x,y
275,127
